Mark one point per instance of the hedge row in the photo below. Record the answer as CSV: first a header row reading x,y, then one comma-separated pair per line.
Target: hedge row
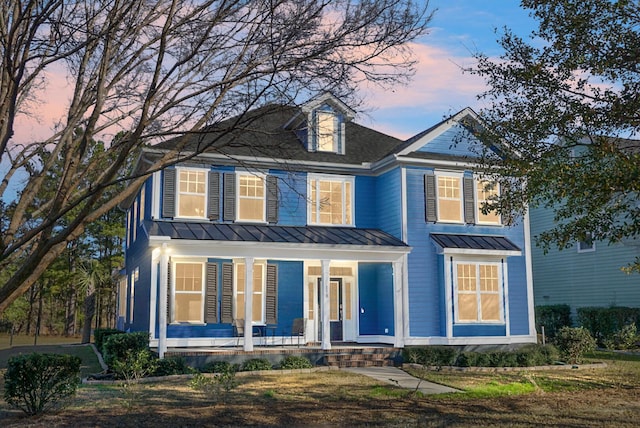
x,y
438,356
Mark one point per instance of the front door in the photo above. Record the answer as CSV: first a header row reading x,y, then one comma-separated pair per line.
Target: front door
x,y
339,308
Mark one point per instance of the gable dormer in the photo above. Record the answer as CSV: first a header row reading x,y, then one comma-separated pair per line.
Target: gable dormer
x,y
325,118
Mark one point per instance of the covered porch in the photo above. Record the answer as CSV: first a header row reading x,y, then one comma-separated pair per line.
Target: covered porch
x,y
351,280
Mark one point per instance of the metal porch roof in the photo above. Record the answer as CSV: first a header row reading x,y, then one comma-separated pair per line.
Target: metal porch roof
x,y
474,242
322,235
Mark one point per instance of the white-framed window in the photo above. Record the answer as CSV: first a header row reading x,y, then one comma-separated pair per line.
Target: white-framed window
x,y
486,190
192,193
134,223
259,301
587,245
188,292
134,278
331,200
142,202
478,292
326,132
449,193
251,196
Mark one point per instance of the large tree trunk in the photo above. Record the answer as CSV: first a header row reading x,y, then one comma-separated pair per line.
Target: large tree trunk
x,y
89,312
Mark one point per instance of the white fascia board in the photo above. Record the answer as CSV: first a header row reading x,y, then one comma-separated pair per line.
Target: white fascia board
x,y
477,252
283,251
327,97
253,162
440,129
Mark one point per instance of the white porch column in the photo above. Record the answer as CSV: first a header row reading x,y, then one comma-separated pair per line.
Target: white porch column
x,y
162,301
398,313
248,303
326,325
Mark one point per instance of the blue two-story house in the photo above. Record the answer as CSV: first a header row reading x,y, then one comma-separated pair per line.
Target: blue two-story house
x,y
301,213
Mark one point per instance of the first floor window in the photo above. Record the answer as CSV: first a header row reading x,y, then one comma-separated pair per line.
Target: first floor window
x,y
478,292
189,294
258,292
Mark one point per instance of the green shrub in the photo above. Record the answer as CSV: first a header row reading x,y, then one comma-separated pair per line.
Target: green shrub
x,y
117,346
220,367
171,366
255,364
553,318
295,362
603,322
573,343
430,355
101,334
38,382
135,364
536,355
625,338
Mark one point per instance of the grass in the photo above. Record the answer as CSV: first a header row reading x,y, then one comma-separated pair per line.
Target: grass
x,y
584,397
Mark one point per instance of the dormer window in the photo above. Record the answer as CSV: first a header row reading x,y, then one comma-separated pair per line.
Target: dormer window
x,y
327,137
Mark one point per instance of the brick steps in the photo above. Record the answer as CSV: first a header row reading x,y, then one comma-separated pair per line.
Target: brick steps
x,y
361,358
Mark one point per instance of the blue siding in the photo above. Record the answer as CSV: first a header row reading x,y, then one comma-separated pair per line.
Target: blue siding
x,y
292,188
479,330
456,141
365,188
138,255
427,277
388,203
376,298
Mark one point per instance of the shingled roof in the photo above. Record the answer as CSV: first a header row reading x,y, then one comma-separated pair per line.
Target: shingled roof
x,y
264,133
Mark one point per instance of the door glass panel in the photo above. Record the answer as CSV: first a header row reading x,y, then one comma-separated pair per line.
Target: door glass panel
x,y
334,301
347,301
311,300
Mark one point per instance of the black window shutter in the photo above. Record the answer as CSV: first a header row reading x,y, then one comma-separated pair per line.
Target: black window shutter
x,y
272,295
469,200
169,193
229,197
430,198
211,300
213,209
226,312
272,198
169,302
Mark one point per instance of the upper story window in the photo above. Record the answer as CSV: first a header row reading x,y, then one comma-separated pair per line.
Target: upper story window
x,y
587,244
330,200
486,191
251,197
450,198
458,198
192,193
142,202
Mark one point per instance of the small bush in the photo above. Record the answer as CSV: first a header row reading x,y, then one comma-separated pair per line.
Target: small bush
x,y
573,343
171,366
553,318
117,346
38,382
135,364
626,338
295,362
101,334
256,364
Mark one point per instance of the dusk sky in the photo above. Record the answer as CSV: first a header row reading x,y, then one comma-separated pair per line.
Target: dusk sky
x,y
438,89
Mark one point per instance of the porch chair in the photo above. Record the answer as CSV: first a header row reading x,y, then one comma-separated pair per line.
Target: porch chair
x,y
238,330
297,328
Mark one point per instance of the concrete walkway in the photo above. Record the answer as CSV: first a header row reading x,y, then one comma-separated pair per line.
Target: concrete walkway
x,y
397,377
